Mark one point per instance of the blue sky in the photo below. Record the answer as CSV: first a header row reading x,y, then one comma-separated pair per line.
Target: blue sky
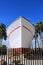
x,y
12,9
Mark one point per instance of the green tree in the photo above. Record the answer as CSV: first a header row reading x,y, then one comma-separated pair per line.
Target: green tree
x,y
2,32
4,49
35,37
39,29
0,50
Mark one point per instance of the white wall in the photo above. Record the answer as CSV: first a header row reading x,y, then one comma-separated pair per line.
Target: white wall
x,y
18,35
15,36
27,33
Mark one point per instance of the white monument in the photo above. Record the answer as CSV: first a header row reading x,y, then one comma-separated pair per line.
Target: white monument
x,y
20,33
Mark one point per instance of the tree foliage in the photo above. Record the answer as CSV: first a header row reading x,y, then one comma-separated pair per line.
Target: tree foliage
x,y
3,50
3,31
39,27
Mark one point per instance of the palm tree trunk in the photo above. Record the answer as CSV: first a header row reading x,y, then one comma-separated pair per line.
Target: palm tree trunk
x,y
35,45
0,41
41,42
41,38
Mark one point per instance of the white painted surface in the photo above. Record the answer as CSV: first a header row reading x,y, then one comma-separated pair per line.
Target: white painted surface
x,y
21,37
27,36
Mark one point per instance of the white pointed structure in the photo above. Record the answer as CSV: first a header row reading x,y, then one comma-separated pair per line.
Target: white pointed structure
x,y
20,33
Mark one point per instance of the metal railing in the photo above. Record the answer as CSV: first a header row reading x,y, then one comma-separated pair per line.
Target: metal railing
x,y
28,56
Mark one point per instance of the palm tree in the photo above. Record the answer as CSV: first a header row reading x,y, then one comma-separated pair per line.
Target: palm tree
x,y
0,50
39,29
4,49
2,32
3,35
35,37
